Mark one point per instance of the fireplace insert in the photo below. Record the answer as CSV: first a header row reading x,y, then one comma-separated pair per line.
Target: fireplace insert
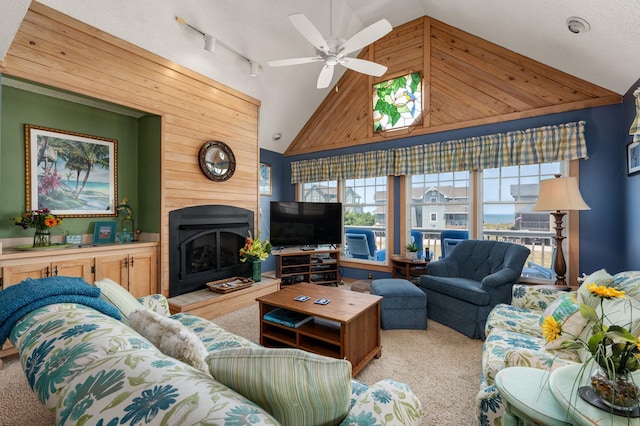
x,y
204,244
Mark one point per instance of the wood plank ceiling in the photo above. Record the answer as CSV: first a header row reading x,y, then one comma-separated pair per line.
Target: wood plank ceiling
x,y
468,82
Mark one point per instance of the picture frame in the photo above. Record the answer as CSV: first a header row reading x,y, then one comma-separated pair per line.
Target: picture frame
x,y
633,158
71,174
264,181
104,233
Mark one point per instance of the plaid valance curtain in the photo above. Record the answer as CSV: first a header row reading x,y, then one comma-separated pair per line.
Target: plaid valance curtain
x,y
532,146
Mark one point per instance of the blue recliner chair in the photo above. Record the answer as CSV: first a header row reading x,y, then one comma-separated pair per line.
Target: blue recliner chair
x,y
362,244
463,287
449,238
416,237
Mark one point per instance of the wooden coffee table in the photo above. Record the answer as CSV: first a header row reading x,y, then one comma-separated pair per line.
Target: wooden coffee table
x,y
348,327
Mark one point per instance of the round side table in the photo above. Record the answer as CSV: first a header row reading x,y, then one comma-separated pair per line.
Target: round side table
x,y
564,383
528,399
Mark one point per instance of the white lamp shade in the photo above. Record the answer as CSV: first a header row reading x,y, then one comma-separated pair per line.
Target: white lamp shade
x,y
560,193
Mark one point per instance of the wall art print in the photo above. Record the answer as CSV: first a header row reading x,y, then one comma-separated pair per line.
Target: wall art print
x,y
72,174
265,179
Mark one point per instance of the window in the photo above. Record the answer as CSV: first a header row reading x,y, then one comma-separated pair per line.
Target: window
x,y
508,197
320,192
443,200
365,207
397,102
365,212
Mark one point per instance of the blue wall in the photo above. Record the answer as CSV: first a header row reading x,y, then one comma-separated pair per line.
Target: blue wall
x,y
629,251
603,229
277,179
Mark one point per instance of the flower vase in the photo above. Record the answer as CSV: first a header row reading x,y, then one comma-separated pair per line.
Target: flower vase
x,y
42,237
620,393
256,271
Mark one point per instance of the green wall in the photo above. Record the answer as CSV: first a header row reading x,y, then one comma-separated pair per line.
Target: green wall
x,y
20,107
149,174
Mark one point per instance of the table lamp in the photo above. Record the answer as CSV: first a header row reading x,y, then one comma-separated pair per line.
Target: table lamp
x,y
559,196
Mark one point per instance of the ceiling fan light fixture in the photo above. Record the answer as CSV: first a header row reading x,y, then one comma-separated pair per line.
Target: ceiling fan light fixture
x,y
577,25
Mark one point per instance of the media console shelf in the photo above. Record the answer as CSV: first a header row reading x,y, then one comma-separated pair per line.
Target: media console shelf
x,y
319,266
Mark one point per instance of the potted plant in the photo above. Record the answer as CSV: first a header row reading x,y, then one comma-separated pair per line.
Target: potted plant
x,y
255,251
412,251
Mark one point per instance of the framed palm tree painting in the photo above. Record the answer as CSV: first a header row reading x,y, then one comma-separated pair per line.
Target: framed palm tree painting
x,y
71,174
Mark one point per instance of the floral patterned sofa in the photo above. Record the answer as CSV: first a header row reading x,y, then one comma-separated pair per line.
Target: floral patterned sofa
x,y
514,334
88,367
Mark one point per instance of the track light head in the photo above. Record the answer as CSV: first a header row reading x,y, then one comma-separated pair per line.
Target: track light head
x,y
209,43
253,68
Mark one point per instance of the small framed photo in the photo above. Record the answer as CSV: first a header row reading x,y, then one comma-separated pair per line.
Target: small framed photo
x,y
104,233
633,157
265,179
73,239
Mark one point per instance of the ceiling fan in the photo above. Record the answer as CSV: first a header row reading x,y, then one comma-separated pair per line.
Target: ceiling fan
x,y
334,52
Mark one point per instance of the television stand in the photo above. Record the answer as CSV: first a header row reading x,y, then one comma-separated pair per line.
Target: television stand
x,y
294,266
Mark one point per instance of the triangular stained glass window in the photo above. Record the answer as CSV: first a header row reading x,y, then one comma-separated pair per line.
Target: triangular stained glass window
x,y
397,103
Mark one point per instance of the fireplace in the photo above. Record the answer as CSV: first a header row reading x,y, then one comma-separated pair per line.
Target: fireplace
x,y
204,244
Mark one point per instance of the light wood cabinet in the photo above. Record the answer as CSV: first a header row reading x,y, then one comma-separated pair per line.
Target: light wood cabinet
x,y
135,271
72,267
134,266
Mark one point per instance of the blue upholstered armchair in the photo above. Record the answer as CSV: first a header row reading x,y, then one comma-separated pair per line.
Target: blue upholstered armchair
x,y
464,286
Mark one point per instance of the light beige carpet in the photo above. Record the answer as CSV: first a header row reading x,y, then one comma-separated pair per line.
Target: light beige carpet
x,y
441,366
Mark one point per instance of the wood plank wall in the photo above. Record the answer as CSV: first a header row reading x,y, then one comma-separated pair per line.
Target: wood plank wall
x,y
56,50
468,82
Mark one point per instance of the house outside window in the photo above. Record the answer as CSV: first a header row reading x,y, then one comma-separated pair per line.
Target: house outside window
x,y
441,197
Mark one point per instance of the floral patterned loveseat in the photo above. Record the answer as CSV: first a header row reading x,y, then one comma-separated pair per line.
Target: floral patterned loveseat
x,y
514,335
88,367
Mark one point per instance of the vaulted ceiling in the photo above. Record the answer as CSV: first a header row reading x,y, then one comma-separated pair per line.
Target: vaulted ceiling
x,y
261,31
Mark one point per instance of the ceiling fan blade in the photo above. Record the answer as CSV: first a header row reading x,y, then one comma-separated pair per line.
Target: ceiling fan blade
x,y
367,36
363,66
309,31
324,79
293,61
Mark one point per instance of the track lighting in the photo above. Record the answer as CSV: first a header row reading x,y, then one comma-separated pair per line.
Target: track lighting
x,y
210,43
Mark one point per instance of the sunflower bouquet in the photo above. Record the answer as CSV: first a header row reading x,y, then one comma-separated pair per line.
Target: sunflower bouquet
x,y
612,347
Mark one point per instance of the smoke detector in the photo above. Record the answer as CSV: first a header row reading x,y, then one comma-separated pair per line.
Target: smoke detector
x,y
577,25
276,136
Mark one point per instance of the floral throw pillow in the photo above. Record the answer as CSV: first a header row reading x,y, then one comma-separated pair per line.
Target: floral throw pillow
x,y
599,278
566,311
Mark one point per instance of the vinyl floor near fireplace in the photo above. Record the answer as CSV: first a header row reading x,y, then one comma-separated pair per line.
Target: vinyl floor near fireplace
x,y
207,304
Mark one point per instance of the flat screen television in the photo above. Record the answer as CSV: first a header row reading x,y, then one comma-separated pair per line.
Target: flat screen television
x,y
295,223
